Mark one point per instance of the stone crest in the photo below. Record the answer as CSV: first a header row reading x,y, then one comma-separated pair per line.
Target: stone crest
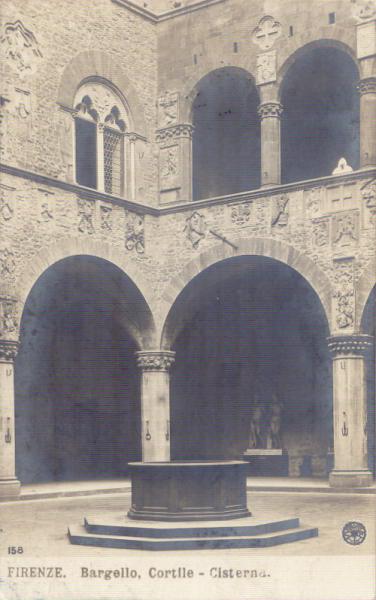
x,y
168,109
321,232
7,262
195,228
6,209
85,214
280,214
8,318
169,162
267,32
369,196
240,213
106,217
345,228
134,232
20,47
266,67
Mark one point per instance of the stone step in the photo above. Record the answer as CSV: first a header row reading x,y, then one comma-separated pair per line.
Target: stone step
x,y
79,535
97,525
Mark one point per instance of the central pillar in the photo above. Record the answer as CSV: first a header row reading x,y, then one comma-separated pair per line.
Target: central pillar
x,y
9,484
155,404
349,354
367,90
270,115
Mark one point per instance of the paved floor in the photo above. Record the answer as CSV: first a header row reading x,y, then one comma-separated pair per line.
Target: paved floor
x,y
105,486
40,525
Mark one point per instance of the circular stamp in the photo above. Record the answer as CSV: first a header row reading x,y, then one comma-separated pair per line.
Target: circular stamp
x,y
354,533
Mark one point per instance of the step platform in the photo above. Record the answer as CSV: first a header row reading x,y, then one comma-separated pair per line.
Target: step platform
x,y
242,533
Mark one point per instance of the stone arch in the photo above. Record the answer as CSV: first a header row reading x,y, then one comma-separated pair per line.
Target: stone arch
x,y
70,247
99,66
310,45
265,247
321,110
189,92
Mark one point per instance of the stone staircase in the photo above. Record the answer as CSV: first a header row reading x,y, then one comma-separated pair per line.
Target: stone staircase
x,y
244,533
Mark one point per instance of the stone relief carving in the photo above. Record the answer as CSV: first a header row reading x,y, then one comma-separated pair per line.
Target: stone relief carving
x,y
344,293
367,86
169,162
9,318
266,67
267,32
101,103
6,209
86,214
183,130
155,361
321,232
7,262
280,214
20,47
168,109
195,228
240,213
313,200
134,232
22,103
106,217
270,109
342,167
369,195
8,350
345,228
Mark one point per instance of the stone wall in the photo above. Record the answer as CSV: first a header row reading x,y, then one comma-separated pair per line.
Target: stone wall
x,y
39,43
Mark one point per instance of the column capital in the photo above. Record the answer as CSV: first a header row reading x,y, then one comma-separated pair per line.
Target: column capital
x,y
155,360
367,86
270,109
181,130
8,350
345,345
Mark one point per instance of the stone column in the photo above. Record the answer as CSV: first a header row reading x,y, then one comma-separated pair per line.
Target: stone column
x,y
270,115
349,354
100,157
367,90
9,484
155,404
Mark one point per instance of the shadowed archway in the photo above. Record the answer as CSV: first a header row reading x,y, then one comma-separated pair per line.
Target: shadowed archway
x,y
245,329
76,379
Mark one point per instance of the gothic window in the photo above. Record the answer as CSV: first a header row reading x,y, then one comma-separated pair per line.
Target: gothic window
x,y
100,140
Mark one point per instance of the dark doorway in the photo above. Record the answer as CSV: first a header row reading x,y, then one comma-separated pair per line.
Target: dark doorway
x,y
77,383
226,138
253,328
320,120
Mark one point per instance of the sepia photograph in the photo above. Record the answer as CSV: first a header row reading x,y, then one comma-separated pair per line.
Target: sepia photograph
x,y
188,300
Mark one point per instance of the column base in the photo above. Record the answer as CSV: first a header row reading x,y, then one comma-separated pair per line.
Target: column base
x,y
350,479
9,489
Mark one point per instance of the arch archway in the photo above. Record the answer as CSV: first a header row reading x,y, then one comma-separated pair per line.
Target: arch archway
x,y
320,121
245,330
265,247
77,400
96,65
226,136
